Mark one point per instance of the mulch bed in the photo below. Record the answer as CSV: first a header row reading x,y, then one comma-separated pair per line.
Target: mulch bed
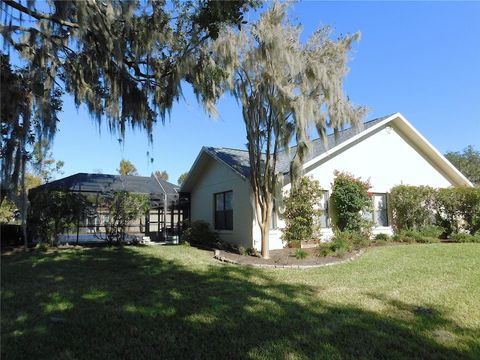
x,y
285,258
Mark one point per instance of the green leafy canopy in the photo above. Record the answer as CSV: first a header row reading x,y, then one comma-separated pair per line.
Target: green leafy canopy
x,y
124,60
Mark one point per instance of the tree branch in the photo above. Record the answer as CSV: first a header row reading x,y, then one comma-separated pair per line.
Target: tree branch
x,y
38,15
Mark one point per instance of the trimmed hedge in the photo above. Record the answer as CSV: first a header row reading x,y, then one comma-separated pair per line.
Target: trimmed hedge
x,y
452,209
411,206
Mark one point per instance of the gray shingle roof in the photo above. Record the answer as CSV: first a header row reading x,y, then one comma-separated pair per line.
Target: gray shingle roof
x,y
103,182
239,160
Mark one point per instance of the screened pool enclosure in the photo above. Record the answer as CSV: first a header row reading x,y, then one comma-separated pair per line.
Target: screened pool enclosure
x,y
163,222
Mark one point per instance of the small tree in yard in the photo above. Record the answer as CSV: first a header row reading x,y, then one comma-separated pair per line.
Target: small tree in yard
x,y
121,208
301,210
283,86
55,212
349,199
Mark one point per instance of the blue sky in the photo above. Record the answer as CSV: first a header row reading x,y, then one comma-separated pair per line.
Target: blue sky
x,y
420,59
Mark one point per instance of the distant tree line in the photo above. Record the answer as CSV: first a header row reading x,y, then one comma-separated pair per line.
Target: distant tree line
x,y
468,162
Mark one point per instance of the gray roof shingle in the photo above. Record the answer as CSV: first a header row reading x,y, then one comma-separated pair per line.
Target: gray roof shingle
x,y
239,160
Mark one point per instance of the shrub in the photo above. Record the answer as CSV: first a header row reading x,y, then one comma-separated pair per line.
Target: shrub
x,y
415,207
458,207
343,242
242,250
294,244
411,206
199,233
360,240
431,231
466,238
429,234
340,246
349,199
403,236
54,212
247,251
324,250
447,210
42,246
382,237
301,254
469,207
350,240
301,210
426,239
121,209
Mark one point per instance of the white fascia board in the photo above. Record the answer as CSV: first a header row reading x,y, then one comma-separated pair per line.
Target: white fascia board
x,y
438,157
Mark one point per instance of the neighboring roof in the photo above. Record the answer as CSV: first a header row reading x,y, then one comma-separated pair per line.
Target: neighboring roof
x,y
238,160
102,182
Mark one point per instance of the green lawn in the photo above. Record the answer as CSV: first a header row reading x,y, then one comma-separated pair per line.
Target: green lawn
x,y
412,301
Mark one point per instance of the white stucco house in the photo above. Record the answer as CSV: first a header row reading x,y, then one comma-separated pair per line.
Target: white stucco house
x,y
388,151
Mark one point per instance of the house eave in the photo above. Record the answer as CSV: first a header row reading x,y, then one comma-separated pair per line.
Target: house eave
x,y
399,121
186,186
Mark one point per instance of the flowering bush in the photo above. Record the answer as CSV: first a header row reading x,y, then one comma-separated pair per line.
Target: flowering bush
x,y
350,198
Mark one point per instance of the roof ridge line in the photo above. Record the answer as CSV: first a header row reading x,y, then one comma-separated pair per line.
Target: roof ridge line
x,y
227,148
380,118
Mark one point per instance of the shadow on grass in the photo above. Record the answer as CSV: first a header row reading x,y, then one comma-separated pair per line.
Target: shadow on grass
x,y
119,303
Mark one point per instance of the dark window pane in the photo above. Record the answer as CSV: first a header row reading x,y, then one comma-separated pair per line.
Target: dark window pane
x,y
219,203
228,219
224,211
229,200
219,220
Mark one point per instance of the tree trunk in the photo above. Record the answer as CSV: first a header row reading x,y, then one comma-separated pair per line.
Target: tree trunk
x,y
24,203
264,223
265,231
